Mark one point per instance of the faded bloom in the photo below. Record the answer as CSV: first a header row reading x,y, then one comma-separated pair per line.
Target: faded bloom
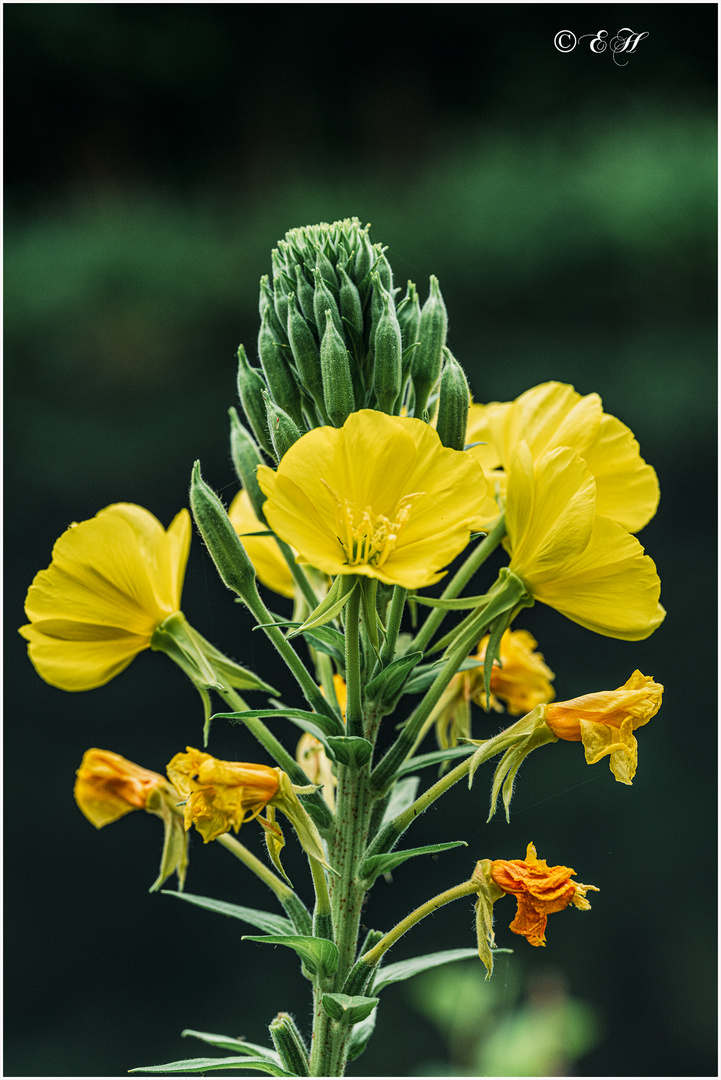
x,y
109,786
220,795
263,551
605,721
521,680
112,581
312,758
553,415
379,497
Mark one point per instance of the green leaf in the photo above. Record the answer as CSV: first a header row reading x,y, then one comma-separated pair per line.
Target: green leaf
x,y
386,685
406,969
348,1010
425,675
403,793
201,1065
316,732
328,724
434,758
263,920
460,603
350,749
332,604
227,1042
327,640
319,955
360,1036
376,865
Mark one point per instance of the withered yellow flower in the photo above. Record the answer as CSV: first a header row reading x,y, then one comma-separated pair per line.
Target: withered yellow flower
x,y
112,581
380,497
220,795
539,890
553,415
605,721
263,551
108,786
586,566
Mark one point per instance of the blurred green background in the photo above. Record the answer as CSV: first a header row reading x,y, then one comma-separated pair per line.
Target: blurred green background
x,y
154,156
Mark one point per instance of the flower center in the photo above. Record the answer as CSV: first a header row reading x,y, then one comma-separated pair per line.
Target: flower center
x,y
366,537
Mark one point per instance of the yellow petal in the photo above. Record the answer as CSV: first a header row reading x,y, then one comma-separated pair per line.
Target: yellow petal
x,y
263,551
626,487
77,656
600,740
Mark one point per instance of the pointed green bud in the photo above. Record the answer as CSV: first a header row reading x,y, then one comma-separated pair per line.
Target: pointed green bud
x,y
364,259
383,268
246,458
388,348
350,304
289,1043
304,292
283,430
322,302
336,374
452,404
280,298
251,385
281,381
266,302
325,266
222,541
305,352
409,315
428,356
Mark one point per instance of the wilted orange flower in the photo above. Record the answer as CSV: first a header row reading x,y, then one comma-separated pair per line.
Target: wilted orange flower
x,y
540,890
109,786
220,795
605,721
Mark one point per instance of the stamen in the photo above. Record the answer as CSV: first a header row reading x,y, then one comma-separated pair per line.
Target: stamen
x,y
367,538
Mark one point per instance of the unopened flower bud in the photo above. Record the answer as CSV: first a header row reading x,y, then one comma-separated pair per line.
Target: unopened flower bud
x,y
282,428
221,539
281,381
324,301
246,458
251,385
325,266
452,404
388,348
266,302
305,352
409,316
304,292
336,374
428,356
350,304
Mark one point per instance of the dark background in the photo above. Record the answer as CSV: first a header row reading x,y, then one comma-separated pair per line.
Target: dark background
x,y
154,156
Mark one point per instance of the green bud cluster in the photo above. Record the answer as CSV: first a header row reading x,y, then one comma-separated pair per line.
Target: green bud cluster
x,y
334,338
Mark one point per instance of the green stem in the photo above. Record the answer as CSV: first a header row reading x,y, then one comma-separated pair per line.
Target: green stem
x,y
354,710
322,918
293,905
299,576
468,888
395,616
458,582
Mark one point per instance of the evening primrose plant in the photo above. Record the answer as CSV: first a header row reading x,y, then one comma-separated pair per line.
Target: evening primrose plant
x,y
364,471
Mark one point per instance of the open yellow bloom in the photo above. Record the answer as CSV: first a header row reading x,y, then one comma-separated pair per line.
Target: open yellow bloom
x,y
540,890
108,786
585,566
220,795
553,415
380,496
263,552
112,581
605,721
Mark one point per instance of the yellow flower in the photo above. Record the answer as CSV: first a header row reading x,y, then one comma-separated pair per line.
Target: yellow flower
x,y
605,721
109,786
263,552
220,795
553,415
521,680
540,890
112,581
380,497
585,566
